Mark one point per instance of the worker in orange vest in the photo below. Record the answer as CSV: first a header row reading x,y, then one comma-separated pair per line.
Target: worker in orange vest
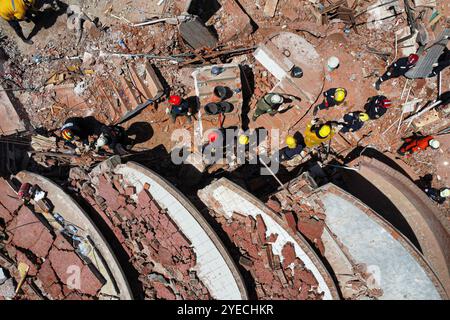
x,y
14,11
417,143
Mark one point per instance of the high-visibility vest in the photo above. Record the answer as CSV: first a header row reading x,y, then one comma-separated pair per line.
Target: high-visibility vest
x,y
311,138
14,9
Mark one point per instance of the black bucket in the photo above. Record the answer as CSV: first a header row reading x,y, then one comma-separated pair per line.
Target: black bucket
x,y
225,107
222,92
212,108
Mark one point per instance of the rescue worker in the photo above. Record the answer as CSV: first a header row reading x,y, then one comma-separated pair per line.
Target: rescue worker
x,y
292,149
112,138
270,104
179,107
438,195
333,97
377,106
75,130
418,143
442,63
397,69
354,121
14,11
317,132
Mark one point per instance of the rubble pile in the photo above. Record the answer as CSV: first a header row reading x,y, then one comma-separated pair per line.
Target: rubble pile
x,y
277,276
158,250
50,255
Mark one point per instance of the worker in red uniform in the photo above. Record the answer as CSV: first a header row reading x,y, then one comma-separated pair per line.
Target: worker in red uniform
x,y
398,68
418,143
179,107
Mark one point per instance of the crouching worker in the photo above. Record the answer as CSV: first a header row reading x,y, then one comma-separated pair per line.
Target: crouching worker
x,y
112,139
416,144
75,132
318,132
292,149
354,121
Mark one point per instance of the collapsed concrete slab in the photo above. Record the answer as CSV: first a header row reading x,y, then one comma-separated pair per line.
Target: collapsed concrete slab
x,y
417,209
280,53
228,199
102,256
214,267
10,122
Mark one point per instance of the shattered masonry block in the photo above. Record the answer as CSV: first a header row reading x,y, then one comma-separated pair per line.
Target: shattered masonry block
x,y
274,205
130,190
29,233
288,253
261,228
8,198
238,24
289,218
5,215
62,261
144,198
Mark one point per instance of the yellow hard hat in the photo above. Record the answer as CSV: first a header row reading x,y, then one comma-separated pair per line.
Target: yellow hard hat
x,y
363,116
243,139
324,131
291,142
340,94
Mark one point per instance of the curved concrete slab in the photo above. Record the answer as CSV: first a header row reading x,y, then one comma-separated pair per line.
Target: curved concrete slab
x,y
355,234
420,213
214,266
108,266
226,197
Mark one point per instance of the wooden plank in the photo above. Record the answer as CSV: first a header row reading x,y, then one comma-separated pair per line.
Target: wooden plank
x,y
270,8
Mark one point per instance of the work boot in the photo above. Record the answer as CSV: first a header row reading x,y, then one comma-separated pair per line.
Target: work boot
x,y
377,85
28,41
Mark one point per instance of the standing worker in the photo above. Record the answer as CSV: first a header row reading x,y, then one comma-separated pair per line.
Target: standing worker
x,y
14,11
317,132
442,63
397,69
179,107
270,104
333,97
377,106
418,143
354,121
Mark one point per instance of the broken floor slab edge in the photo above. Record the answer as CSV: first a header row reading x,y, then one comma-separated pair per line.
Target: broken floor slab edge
x,y
97,237
416,199
397,235
325,280
203,224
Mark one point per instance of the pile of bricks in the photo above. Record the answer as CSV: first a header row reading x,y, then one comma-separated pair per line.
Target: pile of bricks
x,y
276,277
158,250
28,238
301,211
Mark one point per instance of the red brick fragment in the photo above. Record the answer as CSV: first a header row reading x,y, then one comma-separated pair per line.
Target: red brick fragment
x,y
261,228
68,266
290,220
288,253
8,197
163,292
144,198
274,205
29,233
130,190
62,244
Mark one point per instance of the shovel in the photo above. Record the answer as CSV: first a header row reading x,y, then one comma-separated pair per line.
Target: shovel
x,y
23,271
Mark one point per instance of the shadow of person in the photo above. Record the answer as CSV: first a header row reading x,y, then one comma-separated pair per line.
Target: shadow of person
x,y
139,132
46,18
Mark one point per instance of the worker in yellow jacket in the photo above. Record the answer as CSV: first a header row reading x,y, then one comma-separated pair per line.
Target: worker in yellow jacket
x,y
14,11
317,132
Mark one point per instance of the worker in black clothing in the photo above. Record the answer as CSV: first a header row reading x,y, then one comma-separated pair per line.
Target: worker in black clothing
x,y
437,195
112,138
442,63
332,97
79,129
398,68
354,121
377,106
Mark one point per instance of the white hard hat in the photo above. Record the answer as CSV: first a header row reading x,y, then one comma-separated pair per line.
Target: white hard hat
x,y
444,193
276,98
101,141
434,144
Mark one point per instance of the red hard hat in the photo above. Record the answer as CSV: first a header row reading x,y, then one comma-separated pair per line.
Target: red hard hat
x,y
387,103
413,58
213,136
175,100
